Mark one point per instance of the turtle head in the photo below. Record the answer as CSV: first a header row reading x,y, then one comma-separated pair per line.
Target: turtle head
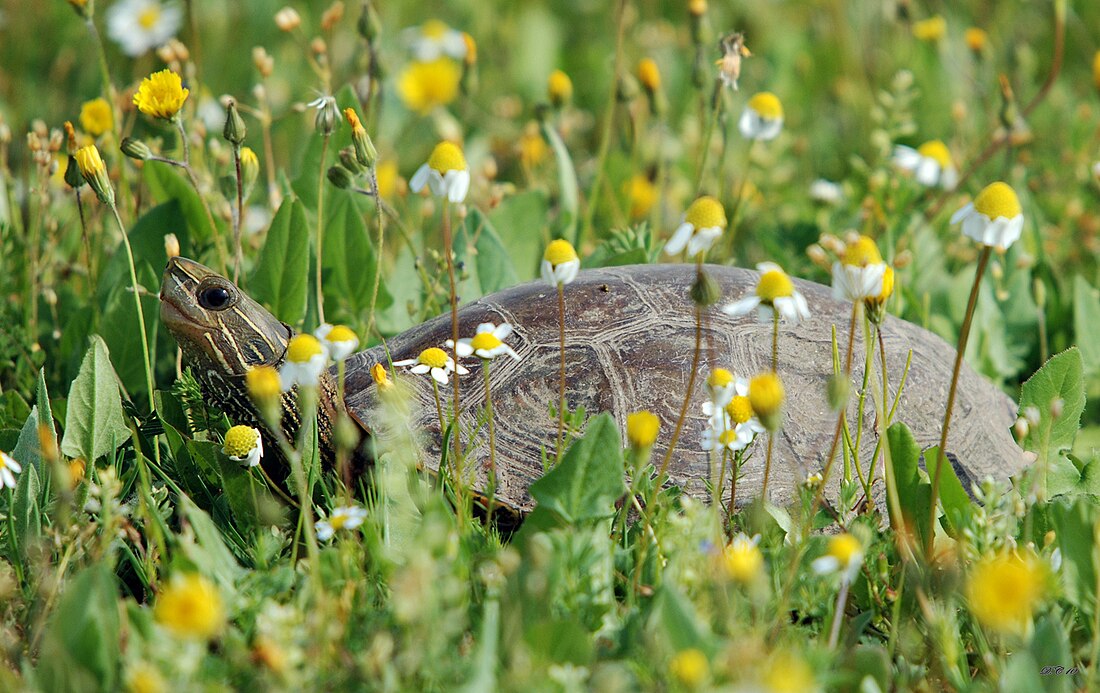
x,y
218,327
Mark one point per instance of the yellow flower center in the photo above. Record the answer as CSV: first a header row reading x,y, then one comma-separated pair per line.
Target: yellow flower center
x,y
338,520
739,409
485,340
341,333
690,668
191,607
845,548
706,212
937,151
931,29
766,105
766,394
719,377
425,85
727,437
1003,591
380,377
559,87
560,252
642,428
887,284
997,200
240,440
787,674
975,38
302,348
774,284
471,48
263,383
642,193
862,253
434,29
149,16
742,560
649,74
447,157
433,357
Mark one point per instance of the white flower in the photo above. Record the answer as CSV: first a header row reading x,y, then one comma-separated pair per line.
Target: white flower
x,y
139,26
734,425
721,385
560,263
305,359
435,362
345,517
338,340
8,469
433,40
487,342
703,223
859,272
994,218
930,164
762,118
445,172
774,291
826,191
243,444
844,555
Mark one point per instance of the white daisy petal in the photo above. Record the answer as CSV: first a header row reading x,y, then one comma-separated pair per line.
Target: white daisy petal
x,y
679,239
742,306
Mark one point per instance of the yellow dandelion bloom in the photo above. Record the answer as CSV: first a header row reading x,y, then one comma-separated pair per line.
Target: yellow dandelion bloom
x,y
932,29
642,194
766,394
161,95
649,74
642,428
559,88
191,607
742,559
690,667
1004,590
532,147
976,39
423,86
95,117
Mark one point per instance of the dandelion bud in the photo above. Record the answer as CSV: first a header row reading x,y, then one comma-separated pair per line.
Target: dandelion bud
x,y
340,177
369,25
365,152
975,40
94,171
348,160
705,290
380,377
171,245
250,169
837,390
697,8
641,429
135,149
559,88
288,19
649,75
235,129
83,8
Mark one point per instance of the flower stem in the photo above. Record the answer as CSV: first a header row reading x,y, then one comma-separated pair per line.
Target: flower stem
x,y
964,336
439,407
219,244
321,227
561,371
767,465
486,365
377,248
687,395
448,251
841,601
137,305
715,110
841,414
237,212
775,340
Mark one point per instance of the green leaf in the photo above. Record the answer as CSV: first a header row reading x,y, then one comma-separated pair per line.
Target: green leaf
x,y
914,494
1062,377
568,188
26,509
204,548
1086,316
147,243
28,449
1050,647
1074,522
42,401
281,278
586,483
309,165
520,221
81,648
349,262
559,641
120,329
94,423
167,183
675,621
478,238
1021,675
955,499
1069,474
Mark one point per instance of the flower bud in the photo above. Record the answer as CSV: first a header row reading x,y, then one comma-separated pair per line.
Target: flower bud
x,y
369,25
73,178
94,171
235,129
348,160
171,245
340,177
364,148
250,169
135,149
838,389
288,19
705,290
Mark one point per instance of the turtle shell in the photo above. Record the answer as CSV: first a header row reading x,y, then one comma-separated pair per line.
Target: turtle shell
x,y
629,343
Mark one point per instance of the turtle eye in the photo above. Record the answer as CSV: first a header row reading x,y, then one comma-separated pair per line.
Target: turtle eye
x,y
215,298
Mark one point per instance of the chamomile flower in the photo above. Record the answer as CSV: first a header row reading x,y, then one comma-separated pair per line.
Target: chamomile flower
x,y
826,191
434,39
742,560
844,555
734,425
994,218
445,172
339,340
560,262
774,292
191,607
762,118
858,274
721,385
305,359
139,26
243,444
702,225
487,342
929,163
8,469
435,362
344,517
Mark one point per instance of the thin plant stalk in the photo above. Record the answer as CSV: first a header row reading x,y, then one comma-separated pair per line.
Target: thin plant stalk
x,y
238,210
775,340
86,239
767,466
219,244
448,252
561,371
136,289
838,616
964,336
321,227
486,365
715,111
379,236
439,407
691,383
841,415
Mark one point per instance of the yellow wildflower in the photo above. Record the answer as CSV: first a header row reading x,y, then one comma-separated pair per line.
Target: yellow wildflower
x,y
559,88
642,428
932,29
642,194
161,95
1003,591
191,607
95,117
425,85
690,667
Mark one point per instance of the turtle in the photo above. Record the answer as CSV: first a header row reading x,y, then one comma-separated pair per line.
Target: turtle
x,y
629,347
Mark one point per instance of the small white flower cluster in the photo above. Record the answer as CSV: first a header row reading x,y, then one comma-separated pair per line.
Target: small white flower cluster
x,y
486,344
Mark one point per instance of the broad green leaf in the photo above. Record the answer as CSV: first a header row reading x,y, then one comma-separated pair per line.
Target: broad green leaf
x,y
1021,675
42,400
587,481
281,278
26,509
309,171
204,547
1086,316
1062,377
568,189
1050,647
494,266
955,499
1069,474
914,494
1074,522
94,422
147,243
167,183
521,222
559,641
28,449
120,330
674,620
349,261
81,648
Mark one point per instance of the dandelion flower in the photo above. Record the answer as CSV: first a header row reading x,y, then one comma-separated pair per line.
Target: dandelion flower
x,y
859,271
560,262
702,225
641,429
932,29
690,667
445,172
346,517
425,85
487,342
138,26
762,118
929,163
559,88
844,555
976,39
742,560
339,340
435,362
531,146
774,292
766,396
380,377
191,607
649,75
433,40
1003,591
8,469
95,117
243,444
994,218
161,95
642,194
144,678
786,673
305,359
